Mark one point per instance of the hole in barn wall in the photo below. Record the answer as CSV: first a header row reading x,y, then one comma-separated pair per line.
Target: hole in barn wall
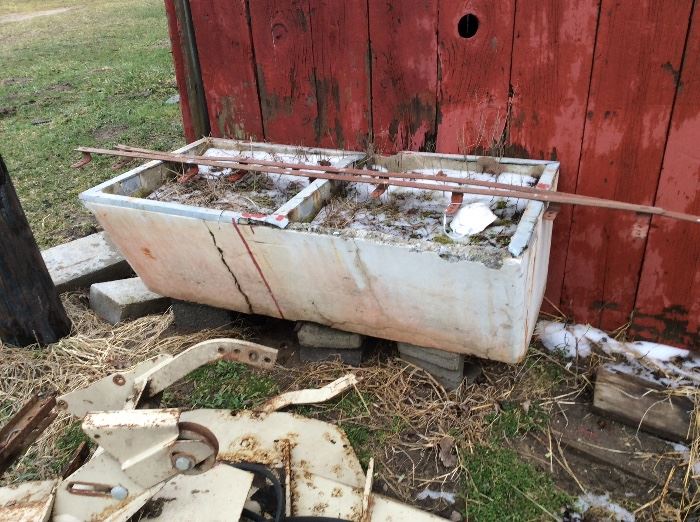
x,y
468,25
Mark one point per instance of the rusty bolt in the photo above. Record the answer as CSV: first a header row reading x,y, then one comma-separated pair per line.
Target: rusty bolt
x,y
61,405
253,356
119,380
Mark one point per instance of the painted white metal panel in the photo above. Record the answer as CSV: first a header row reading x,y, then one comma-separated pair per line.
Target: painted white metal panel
x,y
440,296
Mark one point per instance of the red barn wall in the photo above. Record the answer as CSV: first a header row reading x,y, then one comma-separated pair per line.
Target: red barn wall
x,y
610,88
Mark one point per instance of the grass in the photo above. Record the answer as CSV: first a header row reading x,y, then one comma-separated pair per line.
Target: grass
x,y
67,444
97,75
224,385
499,486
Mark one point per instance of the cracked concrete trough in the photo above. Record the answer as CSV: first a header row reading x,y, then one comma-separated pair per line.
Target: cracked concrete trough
x,y
457,297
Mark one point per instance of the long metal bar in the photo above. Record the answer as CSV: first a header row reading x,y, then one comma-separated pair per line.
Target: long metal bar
x,y
438,178
395,179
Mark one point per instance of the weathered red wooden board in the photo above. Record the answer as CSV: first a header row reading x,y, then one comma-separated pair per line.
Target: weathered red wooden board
x,y
180,72
668,301
551,66
341,64
285,71
227,67
633,82
403,38
475,75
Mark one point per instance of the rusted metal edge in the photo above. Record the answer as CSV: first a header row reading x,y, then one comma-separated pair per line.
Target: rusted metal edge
x,y
24,428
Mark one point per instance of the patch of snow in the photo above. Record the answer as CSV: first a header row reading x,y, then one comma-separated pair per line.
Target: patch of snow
x,y
589,500
574,340
448,497
659,352
556,337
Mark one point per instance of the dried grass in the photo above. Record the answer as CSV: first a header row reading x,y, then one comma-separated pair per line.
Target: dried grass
x,y
409,416
94,349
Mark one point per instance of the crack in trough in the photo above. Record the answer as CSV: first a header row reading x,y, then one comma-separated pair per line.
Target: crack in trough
x,y
233,276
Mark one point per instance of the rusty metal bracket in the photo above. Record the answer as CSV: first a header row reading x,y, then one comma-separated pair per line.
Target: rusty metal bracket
x,y
552,211
24,428
87,158
378,191
455,204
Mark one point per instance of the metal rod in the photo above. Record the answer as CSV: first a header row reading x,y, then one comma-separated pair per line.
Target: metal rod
x,y
396,179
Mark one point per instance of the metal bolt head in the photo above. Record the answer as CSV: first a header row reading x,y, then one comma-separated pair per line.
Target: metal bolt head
x,y
119,380
119,492
183,463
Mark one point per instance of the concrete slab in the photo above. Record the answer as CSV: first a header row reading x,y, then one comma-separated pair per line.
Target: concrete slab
x,y
318,336
117,301
352,357
450,379
88,260
447,360
192,316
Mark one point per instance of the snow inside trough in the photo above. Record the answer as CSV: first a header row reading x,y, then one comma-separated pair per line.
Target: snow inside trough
x,y
412,213
259,193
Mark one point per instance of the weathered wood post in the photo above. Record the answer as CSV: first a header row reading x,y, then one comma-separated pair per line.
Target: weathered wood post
x,y
30,309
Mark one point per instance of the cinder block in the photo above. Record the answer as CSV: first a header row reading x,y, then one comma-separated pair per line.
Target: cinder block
x,y
450,379
88,260
192,316
352,357
117,301
447,360
318,336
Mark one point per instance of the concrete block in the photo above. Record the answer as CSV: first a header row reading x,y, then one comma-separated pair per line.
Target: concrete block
x,y
88,260
192,316
447,360
117,301
318,336
310,354
450,379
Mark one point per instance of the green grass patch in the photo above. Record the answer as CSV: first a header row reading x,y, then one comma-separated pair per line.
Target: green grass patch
x,y
67,444
513,420
97,75
499,486
225,385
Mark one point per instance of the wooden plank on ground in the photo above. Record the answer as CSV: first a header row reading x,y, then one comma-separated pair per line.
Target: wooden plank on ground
x,y
668,300
341,65
637,57
474,50
640,403
403,37
227,66
285,71
552,57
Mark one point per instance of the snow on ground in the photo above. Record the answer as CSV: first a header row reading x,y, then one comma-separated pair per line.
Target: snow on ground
x,y
589,500
685,455
577,340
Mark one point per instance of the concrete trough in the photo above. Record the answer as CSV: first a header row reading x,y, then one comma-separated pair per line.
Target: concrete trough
x,y
407,283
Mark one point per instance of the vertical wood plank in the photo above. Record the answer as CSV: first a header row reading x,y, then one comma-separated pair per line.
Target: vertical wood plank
x,y
668,301
403,37
285,73
552,57
227,68
341,65
637,57
180,72
475,74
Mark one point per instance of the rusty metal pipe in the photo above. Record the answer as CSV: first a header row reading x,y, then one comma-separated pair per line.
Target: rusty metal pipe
x,y
395,179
